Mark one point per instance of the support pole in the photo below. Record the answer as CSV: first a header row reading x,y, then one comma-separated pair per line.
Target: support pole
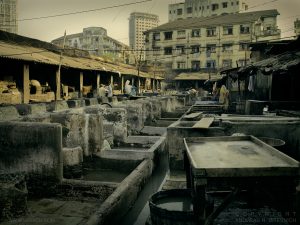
x,y
81,84
112,80
26,91
98,81
58,85
122,85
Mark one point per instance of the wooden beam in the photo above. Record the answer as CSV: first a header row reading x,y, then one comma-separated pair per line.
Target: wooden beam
x,y
98,80
26,81
58,85
204,122
193,115
122,85
81,84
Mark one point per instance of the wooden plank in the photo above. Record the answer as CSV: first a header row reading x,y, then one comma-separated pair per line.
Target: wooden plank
x,y
193,115
204,122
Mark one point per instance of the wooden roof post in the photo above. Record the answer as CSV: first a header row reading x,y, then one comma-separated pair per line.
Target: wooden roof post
x,y
81,84
98,80
26,81
58,85
122,85
112,80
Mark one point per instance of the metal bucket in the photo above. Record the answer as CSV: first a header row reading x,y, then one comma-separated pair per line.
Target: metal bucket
x,y
276,143
172,207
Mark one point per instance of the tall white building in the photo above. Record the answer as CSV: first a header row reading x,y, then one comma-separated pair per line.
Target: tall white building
x,y
199,8
138,24
9,16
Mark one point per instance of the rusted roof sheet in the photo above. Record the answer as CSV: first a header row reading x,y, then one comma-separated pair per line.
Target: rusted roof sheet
x,y
26,53
197,76
39,55
282,62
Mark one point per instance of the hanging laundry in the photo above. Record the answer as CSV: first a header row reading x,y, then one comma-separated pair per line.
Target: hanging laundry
x,y
251,84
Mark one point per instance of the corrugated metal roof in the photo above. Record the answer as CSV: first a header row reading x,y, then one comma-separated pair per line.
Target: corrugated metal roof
x,y
197,76
282,62
39,55
26,53
228,19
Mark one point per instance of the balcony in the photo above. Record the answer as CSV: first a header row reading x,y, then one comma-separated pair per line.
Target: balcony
x,y
271,32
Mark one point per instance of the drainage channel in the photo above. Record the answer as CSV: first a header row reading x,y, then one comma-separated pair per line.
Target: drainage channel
x,y
140,212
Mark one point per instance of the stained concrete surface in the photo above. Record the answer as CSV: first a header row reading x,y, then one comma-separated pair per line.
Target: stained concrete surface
x,y
56,212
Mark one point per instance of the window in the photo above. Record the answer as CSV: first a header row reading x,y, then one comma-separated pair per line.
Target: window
x,y
196,65
181,34
168,35
225,5
242,62
228,30
156,36
189,10
227,47
179,12
211,64
211,32
211,48
196,33
156,50
244,29
237,2
180,65
195,49
227,63
168,50
180,49
244,46
208,7
214,7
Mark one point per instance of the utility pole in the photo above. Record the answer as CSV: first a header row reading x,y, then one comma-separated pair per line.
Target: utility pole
x,y
187,51
58,76
138,70
153,83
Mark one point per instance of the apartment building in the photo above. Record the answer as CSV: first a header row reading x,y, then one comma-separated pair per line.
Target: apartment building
x,y
210,43
96,41
200,8
138,24
9,16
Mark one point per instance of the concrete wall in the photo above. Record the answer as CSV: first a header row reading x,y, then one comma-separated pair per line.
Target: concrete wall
x,y
81,129
8,113
117,116
34,149
135,115
123,198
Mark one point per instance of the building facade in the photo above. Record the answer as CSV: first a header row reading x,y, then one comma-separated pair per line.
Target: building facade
x,y
9,16
210,44
96,41
297,27
200,8
138,24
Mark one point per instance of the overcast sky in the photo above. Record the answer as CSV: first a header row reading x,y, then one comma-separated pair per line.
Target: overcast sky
x,y
115,20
